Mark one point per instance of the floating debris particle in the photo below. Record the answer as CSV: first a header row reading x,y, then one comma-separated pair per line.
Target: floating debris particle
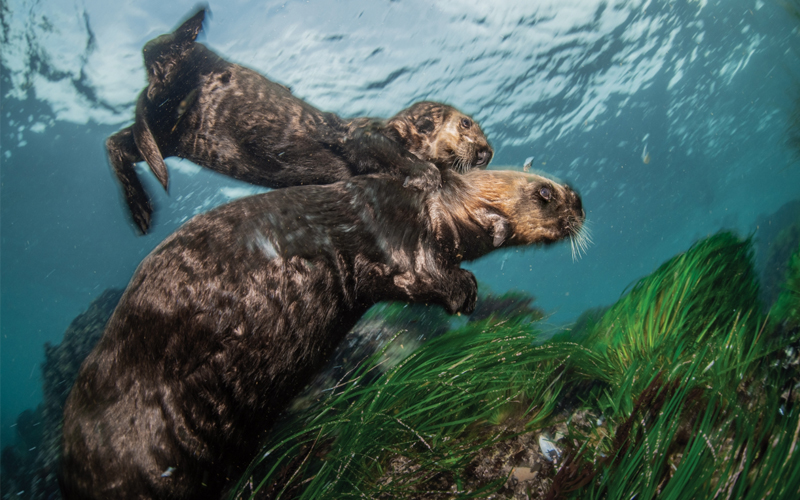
x,y
526,167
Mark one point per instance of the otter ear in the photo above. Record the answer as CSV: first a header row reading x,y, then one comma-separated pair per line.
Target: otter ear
x,y
424,125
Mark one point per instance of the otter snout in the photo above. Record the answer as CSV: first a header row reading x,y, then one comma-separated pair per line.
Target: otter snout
x,y
573,215
574,202
483,157
573,223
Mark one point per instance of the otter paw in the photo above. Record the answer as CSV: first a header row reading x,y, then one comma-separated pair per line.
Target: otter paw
x,y
424,177
464,293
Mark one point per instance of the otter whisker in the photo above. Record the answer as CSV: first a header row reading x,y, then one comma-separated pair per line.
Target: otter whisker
x,y
572,247
464,153
586,240
458,165
580,240
463,165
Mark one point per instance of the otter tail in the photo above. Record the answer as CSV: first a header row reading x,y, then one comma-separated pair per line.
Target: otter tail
x,y
123,154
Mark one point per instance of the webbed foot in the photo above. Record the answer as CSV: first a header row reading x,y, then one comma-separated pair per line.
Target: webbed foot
x,y
123,154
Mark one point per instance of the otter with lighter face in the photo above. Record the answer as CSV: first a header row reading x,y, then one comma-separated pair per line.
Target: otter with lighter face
x,y
234,121
442,135
233,314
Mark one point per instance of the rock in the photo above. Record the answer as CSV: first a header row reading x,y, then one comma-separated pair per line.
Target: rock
x,y
30,466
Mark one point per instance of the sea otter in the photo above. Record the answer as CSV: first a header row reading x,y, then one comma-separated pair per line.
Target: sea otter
x,y
228,318
235,121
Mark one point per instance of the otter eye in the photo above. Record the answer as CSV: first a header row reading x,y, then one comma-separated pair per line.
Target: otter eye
x,y
466,123
545,193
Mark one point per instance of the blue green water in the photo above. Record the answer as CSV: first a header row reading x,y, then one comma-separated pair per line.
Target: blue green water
x,y
670,119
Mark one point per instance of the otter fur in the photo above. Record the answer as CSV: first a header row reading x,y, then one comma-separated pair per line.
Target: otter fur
x,y
232,315
235,121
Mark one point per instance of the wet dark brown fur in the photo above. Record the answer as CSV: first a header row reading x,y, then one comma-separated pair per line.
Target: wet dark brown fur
x,y
227,320
233,120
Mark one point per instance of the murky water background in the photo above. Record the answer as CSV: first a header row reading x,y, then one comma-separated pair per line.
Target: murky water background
x,y
669,118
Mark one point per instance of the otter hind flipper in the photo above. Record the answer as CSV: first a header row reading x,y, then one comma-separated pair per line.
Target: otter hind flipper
x,y
147,145
163,55
188,30
123,154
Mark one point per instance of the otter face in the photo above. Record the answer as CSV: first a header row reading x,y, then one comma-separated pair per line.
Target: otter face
x,y
544,212
524,209
442,135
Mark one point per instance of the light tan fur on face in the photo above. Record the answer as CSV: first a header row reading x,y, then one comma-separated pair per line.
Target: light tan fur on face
x,y
442,135
508,207
453,141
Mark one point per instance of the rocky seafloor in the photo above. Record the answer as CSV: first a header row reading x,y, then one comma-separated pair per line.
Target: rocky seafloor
x,y
29,466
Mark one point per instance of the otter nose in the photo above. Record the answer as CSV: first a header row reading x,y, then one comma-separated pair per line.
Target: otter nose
x,y
484,155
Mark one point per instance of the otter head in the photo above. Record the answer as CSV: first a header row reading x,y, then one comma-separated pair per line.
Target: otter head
x,y
539,210
163,54
489,209
442,135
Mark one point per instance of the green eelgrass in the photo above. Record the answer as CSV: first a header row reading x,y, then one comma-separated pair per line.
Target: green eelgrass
x,y
738,441
687,300
694,407
692,404
427,409
787,308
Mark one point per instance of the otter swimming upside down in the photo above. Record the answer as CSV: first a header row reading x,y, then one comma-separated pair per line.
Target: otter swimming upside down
x,y
232,120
